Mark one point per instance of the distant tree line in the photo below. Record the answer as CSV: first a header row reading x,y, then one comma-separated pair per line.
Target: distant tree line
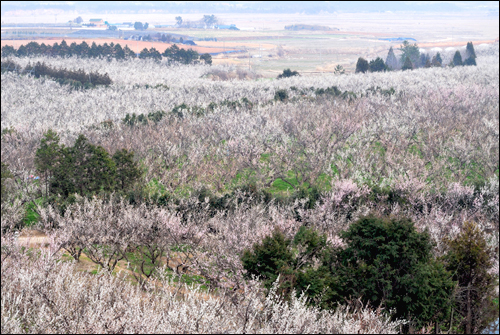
x,y
109,51
411,58
78,79
175,54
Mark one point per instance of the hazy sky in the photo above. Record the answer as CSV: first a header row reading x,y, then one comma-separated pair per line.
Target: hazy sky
x,y
312,7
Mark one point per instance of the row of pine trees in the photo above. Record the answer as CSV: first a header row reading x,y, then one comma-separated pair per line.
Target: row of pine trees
x,y
411,58
109,51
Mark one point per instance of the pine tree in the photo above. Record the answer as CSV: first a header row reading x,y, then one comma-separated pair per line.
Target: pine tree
x,y
362,65
391,60
457,59
407,64
435,61
47,157
469,259
469,51
127,171
387,260
438,58
144,53
470,61
377,65
6,174
410,51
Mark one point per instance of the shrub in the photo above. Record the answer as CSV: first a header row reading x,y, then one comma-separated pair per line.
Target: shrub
x,y
6,174
288,73
362,65
469,259
384,262
85,169
407,64
387,261
207,58
377,65
281,95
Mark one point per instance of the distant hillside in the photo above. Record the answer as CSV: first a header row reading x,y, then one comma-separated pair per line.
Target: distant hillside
x,y
307,27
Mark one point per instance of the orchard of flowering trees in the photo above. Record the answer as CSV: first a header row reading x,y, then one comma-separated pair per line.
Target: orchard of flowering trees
x,y
171,202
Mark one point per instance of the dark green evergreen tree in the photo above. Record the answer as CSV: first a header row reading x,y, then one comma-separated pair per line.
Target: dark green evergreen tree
x,y
138,26
470,61
377,65
469,51
92,169
457,59
127,171
144,53
47,158
410,51
6,174
436,60
391,60
154,54
119,52
408,65
388,261
207,58
8,50
469,260
287,73
362,65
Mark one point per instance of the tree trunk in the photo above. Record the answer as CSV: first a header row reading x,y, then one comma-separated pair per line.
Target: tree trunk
x,y
468,326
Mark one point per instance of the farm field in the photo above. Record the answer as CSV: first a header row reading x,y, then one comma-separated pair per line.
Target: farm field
x,y
231,194
358,35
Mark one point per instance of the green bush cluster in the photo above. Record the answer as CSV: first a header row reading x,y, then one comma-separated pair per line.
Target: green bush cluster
x,y
287,73
385,261
181,110
84,168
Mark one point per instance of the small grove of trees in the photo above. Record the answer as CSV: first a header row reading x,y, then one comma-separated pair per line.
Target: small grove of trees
x,y
84,168
362,65
77,79
210,20
411,58
437,61
287,73
407,65
140,26
410,51
385,262
377,65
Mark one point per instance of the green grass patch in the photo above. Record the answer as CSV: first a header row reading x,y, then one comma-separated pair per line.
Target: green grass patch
x,y
31,216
